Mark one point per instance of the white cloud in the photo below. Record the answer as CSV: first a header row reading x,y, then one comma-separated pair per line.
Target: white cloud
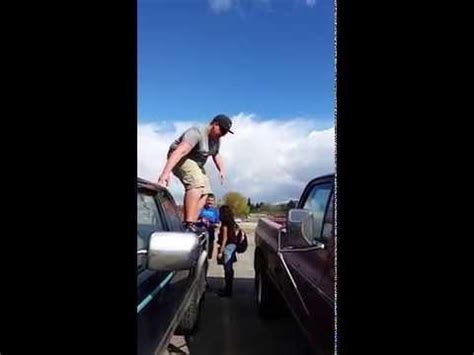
x,y
219,6
266,160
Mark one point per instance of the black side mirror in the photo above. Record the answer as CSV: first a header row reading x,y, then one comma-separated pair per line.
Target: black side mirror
x,y
299,229
300,223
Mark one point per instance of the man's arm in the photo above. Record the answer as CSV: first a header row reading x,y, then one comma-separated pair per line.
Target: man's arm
x,y
219,163
183,149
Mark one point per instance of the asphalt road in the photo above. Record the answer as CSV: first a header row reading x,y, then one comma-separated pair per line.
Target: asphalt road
x,y
229,326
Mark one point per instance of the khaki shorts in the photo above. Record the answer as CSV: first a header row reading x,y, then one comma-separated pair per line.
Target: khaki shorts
x,y
192,176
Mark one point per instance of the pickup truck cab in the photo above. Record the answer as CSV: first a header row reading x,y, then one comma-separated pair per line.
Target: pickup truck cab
x,y
294,264
171,270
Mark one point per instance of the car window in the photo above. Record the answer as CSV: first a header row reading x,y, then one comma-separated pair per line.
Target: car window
x,y
171,212
148,218
317,202
140,258
328,228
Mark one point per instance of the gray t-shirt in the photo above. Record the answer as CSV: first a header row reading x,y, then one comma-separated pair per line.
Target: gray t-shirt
x,y
203,146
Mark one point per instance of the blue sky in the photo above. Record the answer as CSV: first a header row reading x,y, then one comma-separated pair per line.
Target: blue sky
x,y
267,64
274,59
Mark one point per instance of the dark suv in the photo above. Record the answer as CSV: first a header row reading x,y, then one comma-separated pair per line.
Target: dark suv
x,y
171,270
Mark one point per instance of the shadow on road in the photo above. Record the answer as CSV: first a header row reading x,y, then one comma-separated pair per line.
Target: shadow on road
x,y
231,326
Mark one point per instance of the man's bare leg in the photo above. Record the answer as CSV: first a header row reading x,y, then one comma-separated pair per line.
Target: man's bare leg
x,y
191,201
201,203
184,207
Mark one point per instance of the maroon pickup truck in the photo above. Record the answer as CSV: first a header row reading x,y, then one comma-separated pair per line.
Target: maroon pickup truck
x,y
294,264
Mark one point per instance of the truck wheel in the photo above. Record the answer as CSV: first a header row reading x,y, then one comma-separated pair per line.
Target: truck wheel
x,y
264,293
190,318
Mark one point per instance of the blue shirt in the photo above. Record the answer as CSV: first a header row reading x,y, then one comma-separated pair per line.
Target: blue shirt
x,y
211,214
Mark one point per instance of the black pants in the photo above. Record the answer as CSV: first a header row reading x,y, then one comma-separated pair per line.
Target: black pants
x,y
211,242
229,259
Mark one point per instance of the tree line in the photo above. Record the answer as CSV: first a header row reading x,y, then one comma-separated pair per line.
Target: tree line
x,y
242,206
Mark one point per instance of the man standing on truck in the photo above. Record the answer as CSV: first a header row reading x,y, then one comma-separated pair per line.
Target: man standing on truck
x,y
186,158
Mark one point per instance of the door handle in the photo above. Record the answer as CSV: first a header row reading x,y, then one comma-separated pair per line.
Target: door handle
x,y
320,245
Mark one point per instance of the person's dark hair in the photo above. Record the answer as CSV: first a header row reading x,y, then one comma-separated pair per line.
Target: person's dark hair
x,y
227,216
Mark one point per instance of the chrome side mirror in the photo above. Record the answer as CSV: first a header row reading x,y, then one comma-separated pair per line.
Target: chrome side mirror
x,y
168,251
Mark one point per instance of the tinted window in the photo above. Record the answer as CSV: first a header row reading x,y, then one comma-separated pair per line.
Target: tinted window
x,y
317,202
140,258
328,228
326,256
148,218
171,212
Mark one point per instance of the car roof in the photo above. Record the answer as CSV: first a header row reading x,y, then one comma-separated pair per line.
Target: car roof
x,y
149,185
322,177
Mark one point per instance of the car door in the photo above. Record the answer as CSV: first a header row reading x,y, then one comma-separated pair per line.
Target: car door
x,y
327,255
154,294
308,265
173,223
148,221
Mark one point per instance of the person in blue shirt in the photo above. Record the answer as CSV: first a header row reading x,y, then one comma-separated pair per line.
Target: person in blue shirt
x,y
209,218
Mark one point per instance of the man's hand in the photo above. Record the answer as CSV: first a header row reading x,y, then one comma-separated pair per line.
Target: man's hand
x,y
164,179
220,166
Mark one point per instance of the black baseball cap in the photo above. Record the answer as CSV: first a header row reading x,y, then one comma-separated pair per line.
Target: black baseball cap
x,y
224,123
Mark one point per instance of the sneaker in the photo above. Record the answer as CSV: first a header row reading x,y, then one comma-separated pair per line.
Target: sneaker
x,y
192,228
201,227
